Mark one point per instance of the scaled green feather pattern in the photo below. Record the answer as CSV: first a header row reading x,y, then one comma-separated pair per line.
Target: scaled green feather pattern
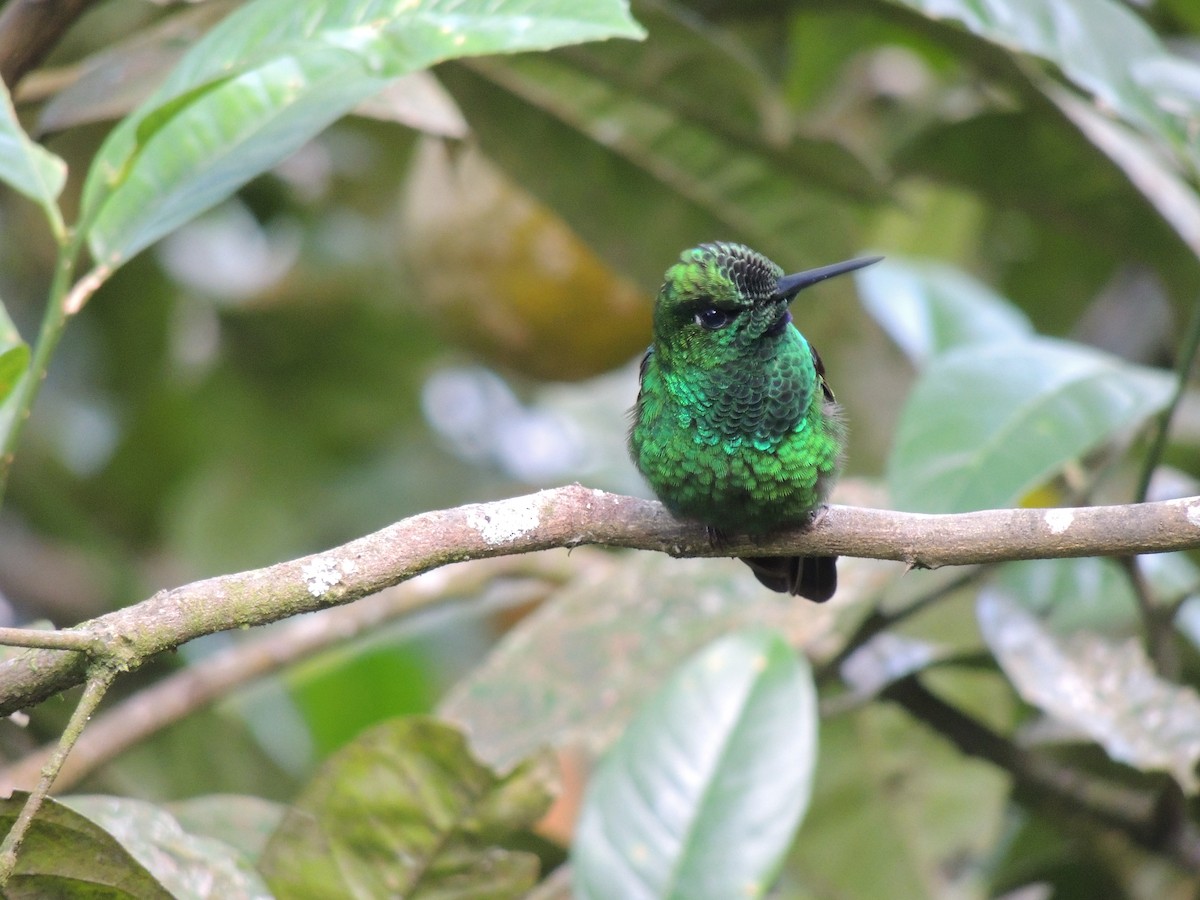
x,y
734,425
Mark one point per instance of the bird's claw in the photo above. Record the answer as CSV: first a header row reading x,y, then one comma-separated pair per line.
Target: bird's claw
x,y
716,537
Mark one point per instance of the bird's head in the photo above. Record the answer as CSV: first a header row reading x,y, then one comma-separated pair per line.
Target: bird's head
x,y
724,300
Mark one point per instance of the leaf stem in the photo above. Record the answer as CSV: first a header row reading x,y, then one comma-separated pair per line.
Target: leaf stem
x,y
54,320
82,641
99,679
1158,622
879,621
530,579
1183,368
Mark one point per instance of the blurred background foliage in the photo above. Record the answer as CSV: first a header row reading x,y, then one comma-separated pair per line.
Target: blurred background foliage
x,y
441,299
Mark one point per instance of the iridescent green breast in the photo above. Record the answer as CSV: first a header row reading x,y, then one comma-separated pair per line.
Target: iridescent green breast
x,y
753,445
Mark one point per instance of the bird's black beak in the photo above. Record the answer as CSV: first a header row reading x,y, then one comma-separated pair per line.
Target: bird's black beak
x,y
790,285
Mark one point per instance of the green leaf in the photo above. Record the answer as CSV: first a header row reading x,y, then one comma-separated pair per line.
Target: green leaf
x,y
897,811
928,308
762,195
702,795
687,132
1104,48
1172,196
538,687
1105,689
241,820
985,424
699,77
884,660
273,75
14,363
1072,594
325,688
65,854
115,80
188,865
505,125
406,810
210,750
1096,199
26,166
1043,848
14,369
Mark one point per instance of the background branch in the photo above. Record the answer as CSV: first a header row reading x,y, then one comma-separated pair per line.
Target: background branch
x,y
1157,824
30,29
568,517
205,682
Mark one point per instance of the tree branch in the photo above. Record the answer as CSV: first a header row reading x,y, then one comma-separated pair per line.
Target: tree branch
x,y
568,517
98,682
1158,824
30,29
203,683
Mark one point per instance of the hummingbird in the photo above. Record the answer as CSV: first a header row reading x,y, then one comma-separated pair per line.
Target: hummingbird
x,y
735,426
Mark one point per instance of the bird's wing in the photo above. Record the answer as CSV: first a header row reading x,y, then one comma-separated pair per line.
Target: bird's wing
x,y
820,366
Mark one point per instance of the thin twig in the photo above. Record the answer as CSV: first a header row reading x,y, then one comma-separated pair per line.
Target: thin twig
x,y
54,320
99,679
568,517
1041,781
177,696
1183,370
879,621
30,29
1158,621
50,640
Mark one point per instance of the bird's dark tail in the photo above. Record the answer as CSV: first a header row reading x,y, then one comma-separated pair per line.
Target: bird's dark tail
x,y
812,577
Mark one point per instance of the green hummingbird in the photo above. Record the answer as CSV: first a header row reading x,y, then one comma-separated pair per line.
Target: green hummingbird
x,y
734,425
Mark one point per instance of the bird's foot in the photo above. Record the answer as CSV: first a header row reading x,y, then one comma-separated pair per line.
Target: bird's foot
x,y
815,515
716,537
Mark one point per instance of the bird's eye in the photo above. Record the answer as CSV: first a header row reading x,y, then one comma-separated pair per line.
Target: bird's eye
x,y
712,318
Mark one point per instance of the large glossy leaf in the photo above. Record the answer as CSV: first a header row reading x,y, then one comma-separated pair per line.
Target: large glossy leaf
x,y
273,75
406,810
704,76
985,424
610,220
1171,194
26,166
1105,689
66,854
756,193
701,796
192,867
1102,47
928,307
690,138
1062,180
